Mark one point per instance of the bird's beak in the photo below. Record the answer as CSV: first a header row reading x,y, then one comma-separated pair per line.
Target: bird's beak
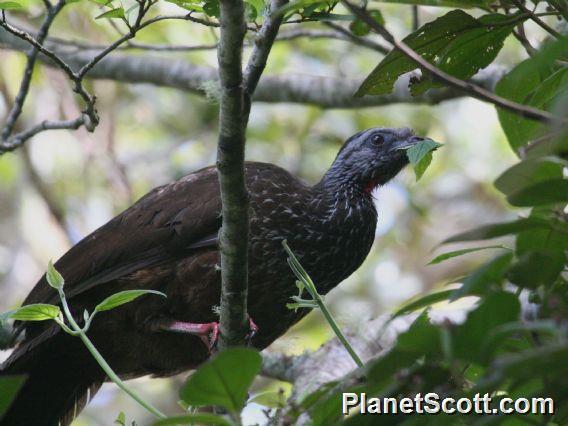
x,y
404,144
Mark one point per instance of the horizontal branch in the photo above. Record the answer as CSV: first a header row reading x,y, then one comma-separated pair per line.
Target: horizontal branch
x,y
325,92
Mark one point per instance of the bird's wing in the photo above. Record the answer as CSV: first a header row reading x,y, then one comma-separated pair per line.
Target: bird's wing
x,y
163,225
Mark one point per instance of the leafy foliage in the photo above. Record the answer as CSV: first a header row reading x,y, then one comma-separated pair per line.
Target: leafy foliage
x,y
9,387
456,43
224,380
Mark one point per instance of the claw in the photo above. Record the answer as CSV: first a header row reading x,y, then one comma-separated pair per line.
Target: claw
x,y
253,331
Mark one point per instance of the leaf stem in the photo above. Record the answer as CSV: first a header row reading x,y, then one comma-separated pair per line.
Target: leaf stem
x,y
302,275
100,359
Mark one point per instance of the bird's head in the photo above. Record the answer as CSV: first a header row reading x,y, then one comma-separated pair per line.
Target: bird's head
x,y
371,158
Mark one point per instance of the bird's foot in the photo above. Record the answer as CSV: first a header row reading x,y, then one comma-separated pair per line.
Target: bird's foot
x,y
208,332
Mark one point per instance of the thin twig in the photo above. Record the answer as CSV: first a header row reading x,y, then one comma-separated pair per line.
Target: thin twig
x,y
89,118
468,87
262,46
361,41
415,17
536,19
18,105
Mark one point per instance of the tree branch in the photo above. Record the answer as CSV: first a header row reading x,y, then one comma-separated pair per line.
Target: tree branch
x,y
324,92
536,19
233,237
468,87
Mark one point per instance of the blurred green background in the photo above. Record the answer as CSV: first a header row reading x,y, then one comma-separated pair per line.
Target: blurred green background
x,y
149,136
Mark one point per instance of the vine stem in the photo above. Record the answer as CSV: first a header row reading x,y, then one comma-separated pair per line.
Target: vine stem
x,y
303,276
333,324
78,331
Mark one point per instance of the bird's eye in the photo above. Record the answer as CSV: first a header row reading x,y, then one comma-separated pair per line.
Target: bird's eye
x,y
377,139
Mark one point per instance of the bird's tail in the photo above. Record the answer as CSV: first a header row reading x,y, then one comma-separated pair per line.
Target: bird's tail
x,y
58,385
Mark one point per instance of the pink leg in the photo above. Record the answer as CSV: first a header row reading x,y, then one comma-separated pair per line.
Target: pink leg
x,y
208,332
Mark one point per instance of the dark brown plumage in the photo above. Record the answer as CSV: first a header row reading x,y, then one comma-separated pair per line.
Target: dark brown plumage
x,y
167,241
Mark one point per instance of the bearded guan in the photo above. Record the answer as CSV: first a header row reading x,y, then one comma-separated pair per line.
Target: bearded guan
x,y
167,241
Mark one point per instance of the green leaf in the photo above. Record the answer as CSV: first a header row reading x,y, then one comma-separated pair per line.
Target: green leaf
x,y
456,43
360,28
195,419
464,4
295,6
482,279
10,5
420,339
120,419
471,51
542,193
495,230
258,6
457,253
273,399
54,278
529,172
212,8
422,302
9,387
224,380
536,268
495,310
117,13
543,250
36,312
536,82
420,155
190,5
123,297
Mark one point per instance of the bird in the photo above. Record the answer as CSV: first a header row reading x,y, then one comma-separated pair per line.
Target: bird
x,y
168,241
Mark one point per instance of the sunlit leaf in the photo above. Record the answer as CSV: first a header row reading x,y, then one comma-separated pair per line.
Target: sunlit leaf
x,y
54,278
36,312
123,297
117,13
10,5
273,399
